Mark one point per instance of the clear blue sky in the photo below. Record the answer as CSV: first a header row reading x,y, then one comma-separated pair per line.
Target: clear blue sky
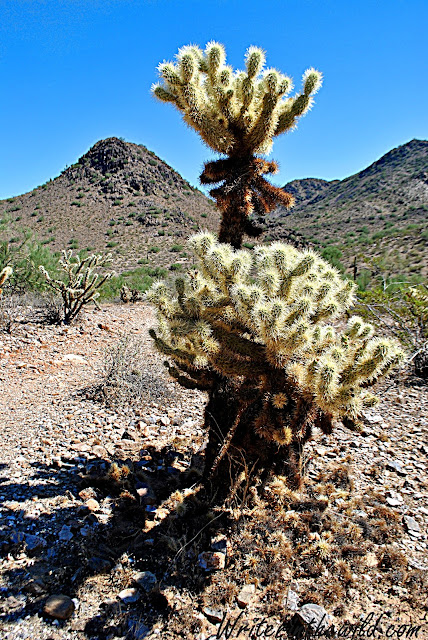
x,y
75,71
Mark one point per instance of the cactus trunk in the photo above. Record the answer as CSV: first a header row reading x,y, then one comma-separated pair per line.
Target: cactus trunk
x,y
235,456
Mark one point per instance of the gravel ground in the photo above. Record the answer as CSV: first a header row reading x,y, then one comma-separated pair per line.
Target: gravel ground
x,y
55,430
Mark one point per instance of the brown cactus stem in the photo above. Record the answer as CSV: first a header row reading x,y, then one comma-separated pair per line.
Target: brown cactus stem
x,y
242,190
234,446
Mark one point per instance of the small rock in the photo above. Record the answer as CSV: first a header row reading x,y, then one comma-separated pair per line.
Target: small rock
x,y
246,594
214,615
314,616
394,465
412,526
146,580
34,543
219,543
371,559
292,600
129,595
394,499
92,504
127,436
212,561
59,606
165,421
99,451
65,534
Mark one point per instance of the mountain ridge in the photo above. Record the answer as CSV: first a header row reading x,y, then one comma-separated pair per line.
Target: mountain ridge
x,y
120,196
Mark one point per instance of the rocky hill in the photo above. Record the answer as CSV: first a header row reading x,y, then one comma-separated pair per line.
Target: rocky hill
x,y
121,197
118,197
380,212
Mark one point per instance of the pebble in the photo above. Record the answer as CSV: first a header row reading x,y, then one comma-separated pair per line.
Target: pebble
x,y
146,580
314,616
130,595
292,600
394,465
65,534
212,561
59,606
246,594
412,526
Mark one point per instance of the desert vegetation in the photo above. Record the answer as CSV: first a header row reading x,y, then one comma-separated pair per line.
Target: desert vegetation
x,y
232,459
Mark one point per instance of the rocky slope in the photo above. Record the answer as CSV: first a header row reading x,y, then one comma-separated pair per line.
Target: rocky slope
x,y
380,212
118,197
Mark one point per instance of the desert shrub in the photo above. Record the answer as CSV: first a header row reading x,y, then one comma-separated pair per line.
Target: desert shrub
x,y
124,377
403,310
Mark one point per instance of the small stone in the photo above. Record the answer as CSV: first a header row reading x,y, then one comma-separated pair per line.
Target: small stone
x,y
214,615
219,543
165,421
127,436
212,561
246,594
34,543
59,606
129,595
314,616
412,526
92,504
65,534
371,559
394,465
394,499
292,600
146,580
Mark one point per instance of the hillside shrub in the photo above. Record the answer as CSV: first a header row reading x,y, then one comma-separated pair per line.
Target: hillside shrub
x,y
255,329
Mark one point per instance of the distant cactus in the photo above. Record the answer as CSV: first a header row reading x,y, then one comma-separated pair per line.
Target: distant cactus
x,y
254,328
236,113
4,275
81,284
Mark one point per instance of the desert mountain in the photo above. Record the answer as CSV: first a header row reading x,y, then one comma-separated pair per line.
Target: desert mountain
x,y
121,197
118,197
380,212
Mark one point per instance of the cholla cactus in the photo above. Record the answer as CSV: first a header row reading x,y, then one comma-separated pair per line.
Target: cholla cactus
x,y
81,284
236,113
4,275
255,329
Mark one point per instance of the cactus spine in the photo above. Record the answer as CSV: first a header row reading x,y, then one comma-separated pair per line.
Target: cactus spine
x,y
237,114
